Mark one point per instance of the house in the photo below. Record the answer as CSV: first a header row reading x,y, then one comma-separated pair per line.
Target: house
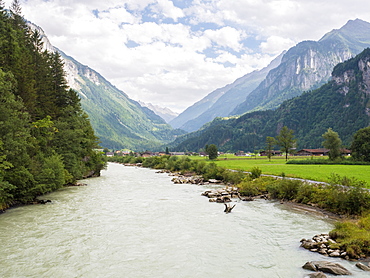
x,y
311,152
177,153
240,153
319,152
274,153
147,154
109,154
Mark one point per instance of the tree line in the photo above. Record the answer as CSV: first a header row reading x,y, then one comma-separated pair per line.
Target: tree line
x,y
46,140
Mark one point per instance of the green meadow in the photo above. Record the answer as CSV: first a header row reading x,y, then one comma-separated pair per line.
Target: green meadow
x,y
277,166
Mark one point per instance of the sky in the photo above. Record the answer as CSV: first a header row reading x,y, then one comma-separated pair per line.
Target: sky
x,y
172,53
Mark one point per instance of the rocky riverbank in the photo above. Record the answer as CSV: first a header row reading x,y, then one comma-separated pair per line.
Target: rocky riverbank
x,y
324,245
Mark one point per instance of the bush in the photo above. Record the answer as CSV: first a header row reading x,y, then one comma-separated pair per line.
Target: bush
x,y
255,173
233,177
254,187
284,189
212,171
307,193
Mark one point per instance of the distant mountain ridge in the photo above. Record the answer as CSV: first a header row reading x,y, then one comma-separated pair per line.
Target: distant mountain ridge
x,y
164,112
222,101
307,66
342,104
304,67
118,121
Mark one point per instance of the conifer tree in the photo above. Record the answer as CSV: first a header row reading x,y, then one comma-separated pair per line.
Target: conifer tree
x,y
46,140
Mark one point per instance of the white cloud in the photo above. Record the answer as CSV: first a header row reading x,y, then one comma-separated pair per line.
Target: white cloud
x,y
226,37
180,53
276,45
167,8
118,16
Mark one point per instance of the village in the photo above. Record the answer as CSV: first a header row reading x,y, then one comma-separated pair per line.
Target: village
x,y
301,152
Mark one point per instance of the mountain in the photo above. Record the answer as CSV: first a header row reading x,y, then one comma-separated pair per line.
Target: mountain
x,y
118,121
307,66
221,102
164,112
342,104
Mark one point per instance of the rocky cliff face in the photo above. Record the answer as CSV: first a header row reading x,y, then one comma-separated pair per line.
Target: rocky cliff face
x,y
355,79
307,66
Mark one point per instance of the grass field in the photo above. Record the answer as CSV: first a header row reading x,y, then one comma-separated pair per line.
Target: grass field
x,y
277,166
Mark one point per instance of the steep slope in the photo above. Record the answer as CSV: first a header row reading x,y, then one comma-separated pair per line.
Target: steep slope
x,y
118,121
307,66
222,101
342,104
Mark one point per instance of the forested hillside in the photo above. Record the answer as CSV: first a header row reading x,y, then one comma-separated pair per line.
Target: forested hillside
x,y
342,104
119,121
46,139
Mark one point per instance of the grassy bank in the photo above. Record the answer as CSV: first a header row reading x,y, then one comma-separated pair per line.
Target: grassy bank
x,y
278,165
352,201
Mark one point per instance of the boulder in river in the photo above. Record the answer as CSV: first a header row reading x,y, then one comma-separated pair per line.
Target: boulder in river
x,y
316,275
363,267
327,267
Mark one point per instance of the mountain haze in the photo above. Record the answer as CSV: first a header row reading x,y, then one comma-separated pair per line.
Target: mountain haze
x,y
221,102
164,112
307,66
342,104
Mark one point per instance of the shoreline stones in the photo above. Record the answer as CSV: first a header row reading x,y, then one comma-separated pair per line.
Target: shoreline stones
x,y
222,195
327,267
191,180
324,245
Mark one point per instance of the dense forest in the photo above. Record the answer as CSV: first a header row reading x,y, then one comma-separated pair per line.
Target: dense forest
x,y
46,140
342,104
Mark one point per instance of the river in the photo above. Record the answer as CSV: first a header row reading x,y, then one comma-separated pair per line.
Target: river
x,y
133,222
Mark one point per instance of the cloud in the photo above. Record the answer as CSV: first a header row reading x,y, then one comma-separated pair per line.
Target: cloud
x,y
226,37
174,52
167,9
276,45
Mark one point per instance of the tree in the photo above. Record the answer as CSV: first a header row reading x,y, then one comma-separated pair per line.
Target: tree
x,y
333,143
360,146
212,151
270,143
286,141
46,140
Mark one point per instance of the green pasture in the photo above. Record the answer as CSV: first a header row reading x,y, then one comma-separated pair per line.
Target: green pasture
x,y
277,166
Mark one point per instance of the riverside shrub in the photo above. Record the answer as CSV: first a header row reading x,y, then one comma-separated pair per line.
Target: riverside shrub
x,y
351,199
353,237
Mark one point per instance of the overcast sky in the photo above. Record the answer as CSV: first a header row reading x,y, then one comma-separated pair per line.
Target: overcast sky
x,y
173,53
